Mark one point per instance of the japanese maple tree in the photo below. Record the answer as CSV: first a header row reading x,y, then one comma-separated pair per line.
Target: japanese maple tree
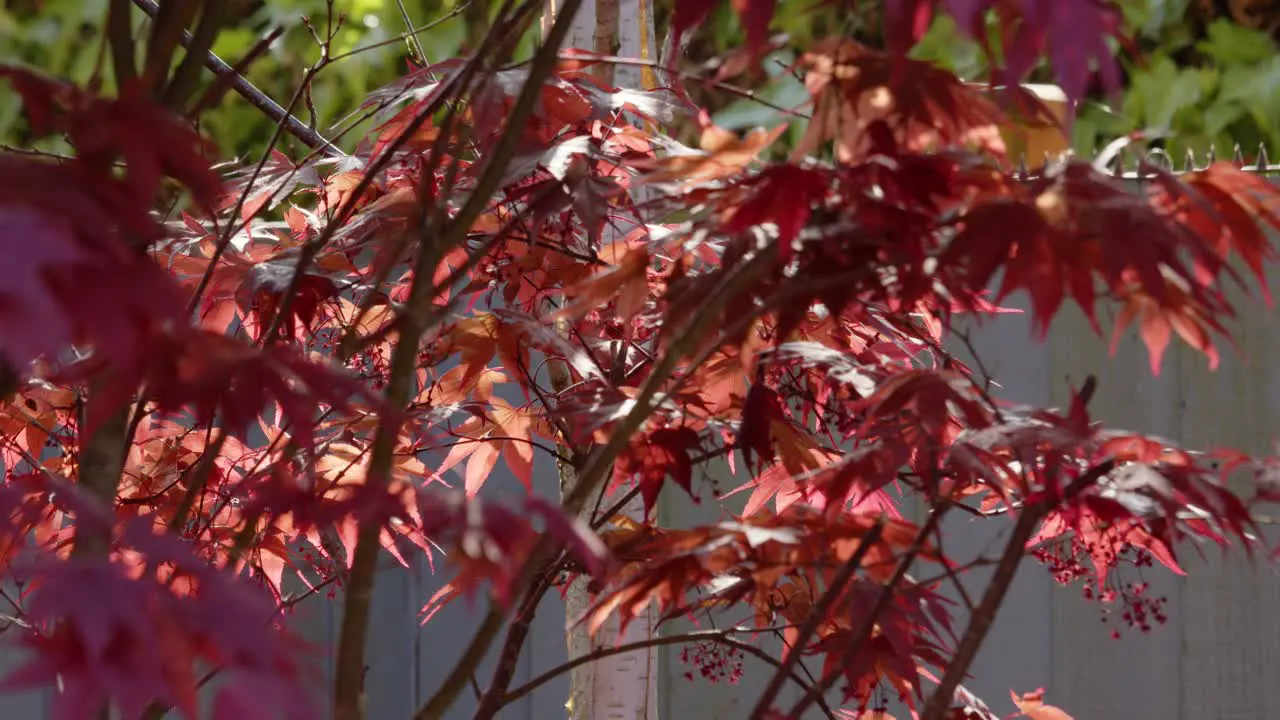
x,y
219,381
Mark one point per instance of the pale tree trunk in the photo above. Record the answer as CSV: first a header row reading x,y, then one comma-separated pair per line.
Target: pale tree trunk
x,y
625,686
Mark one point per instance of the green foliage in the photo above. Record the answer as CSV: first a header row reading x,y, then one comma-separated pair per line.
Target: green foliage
x,y
1212,89
63,38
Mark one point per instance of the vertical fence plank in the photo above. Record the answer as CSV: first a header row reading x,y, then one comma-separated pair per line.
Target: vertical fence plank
x,y
33,704
1017,649
1094,675
391,675
1231,641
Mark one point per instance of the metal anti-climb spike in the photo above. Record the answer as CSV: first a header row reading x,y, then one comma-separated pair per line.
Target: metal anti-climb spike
x,y
1213,154
1238,157
1189,162
1263,161
1158,157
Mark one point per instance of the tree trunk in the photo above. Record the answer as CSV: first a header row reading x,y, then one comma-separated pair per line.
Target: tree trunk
x,y
625,686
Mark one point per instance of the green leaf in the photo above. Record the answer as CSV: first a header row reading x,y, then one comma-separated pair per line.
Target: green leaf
x,y
946,46
1164,91
1231,45
1221,115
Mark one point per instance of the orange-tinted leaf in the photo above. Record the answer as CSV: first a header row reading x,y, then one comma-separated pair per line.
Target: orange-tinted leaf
x,y
854,87
723,154
1031,705
664,452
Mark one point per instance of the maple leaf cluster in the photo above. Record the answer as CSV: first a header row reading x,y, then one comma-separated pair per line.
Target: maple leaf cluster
x,y
323,359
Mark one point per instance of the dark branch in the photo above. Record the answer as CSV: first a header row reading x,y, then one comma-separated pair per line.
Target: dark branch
x,y
253,95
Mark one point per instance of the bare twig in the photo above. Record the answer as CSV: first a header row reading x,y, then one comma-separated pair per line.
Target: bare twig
x,y
187,77
411,34
819,615
120,40
222,83
543,63
603,518
246,90
724,637
984,615
692,77
166,32
873,616
457,10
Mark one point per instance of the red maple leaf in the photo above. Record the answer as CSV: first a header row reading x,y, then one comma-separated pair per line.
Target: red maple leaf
x,y
137,639
1073,33
855,88
785,195
761,409
497,429
755,15
134,128
662,453
70,274
225,378
492,542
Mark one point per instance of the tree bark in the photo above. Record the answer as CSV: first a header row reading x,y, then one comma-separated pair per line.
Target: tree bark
x,y
622,686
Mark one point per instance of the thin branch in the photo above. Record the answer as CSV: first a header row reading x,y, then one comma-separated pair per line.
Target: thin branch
x,y
808,675
347,692
984,615
463,440
691,76
543,64
604,518
412,35
835,590
200,47
120,39
724,637
471,658
455,12
873,616
952,573
246,90
166,32
494,699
